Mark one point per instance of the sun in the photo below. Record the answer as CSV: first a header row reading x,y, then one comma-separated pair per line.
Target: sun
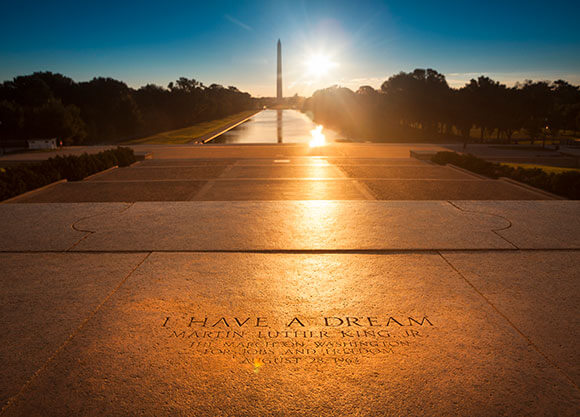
x,y
319,65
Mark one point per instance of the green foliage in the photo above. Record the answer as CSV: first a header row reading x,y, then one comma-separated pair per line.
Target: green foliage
x,y
54,120
187,134
105,110
470,162
420,105
18,180
565,184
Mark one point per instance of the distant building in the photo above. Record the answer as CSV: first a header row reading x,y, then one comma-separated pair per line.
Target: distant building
x,y
42,143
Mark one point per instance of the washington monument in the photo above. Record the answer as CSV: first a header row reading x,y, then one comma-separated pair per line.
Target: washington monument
x,y
279,73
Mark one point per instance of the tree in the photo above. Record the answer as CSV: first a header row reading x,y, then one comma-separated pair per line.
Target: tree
x,y
53,119
11,118
464,113
537,105
486,96
566,107
509,116
107,110
420,97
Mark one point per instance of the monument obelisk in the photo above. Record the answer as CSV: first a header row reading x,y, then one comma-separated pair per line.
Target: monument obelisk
x,y
279,74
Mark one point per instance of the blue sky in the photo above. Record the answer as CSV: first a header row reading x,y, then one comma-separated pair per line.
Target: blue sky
x,y
234,42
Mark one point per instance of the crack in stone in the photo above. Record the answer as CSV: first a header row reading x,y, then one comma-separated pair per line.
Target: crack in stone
x,y
90,232
36,374
506,318
494,231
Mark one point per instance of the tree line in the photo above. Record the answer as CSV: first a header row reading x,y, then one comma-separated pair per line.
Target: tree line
x,y
420,105
105,110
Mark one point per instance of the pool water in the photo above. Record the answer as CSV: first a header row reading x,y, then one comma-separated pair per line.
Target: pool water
x,y
275,126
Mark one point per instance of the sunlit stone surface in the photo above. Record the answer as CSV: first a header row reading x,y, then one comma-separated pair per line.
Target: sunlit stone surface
x,y
337,334
287,280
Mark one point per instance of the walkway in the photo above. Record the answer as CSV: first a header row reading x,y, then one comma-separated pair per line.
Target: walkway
x,y
278,280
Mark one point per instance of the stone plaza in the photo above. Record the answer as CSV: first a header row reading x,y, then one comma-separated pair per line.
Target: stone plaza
x,y
349,279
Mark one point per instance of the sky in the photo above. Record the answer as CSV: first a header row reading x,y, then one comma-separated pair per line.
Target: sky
x,y
324,43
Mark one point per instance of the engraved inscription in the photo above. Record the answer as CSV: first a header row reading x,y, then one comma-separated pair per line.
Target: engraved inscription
x,y
262,340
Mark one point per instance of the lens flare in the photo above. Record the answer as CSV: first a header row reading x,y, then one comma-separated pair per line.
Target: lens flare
x,y
319,65
318,138
257,365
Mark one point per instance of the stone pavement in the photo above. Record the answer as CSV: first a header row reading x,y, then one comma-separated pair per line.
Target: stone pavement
x,y
293,297
287,172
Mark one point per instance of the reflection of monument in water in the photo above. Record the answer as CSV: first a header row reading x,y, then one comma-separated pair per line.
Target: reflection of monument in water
x,y
279,92
279,124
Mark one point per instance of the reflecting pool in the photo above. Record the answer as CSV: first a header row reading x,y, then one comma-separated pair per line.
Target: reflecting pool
x,y
277,126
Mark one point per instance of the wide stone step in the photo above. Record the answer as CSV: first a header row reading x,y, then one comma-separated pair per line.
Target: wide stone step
x,y
291,226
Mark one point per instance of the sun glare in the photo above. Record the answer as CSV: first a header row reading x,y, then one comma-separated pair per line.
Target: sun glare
x,y
319,65
318,138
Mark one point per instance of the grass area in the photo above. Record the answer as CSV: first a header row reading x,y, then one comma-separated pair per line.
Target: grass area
x,y
520,135
187,134
546,168
525,147
538,142
565,183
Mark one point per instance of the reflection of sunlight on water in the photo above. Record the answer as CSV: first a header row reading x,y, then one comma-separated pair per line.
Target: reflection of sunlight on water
x,y
318,138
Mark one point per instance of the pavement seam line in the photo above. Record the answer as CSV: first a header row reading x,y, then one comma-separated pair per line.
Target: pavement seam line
x,y
210,184
202,191
494,231
360,186
293,179
90,232
531,188
303,251
512,324
15,199
97,174
12,400
466,171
